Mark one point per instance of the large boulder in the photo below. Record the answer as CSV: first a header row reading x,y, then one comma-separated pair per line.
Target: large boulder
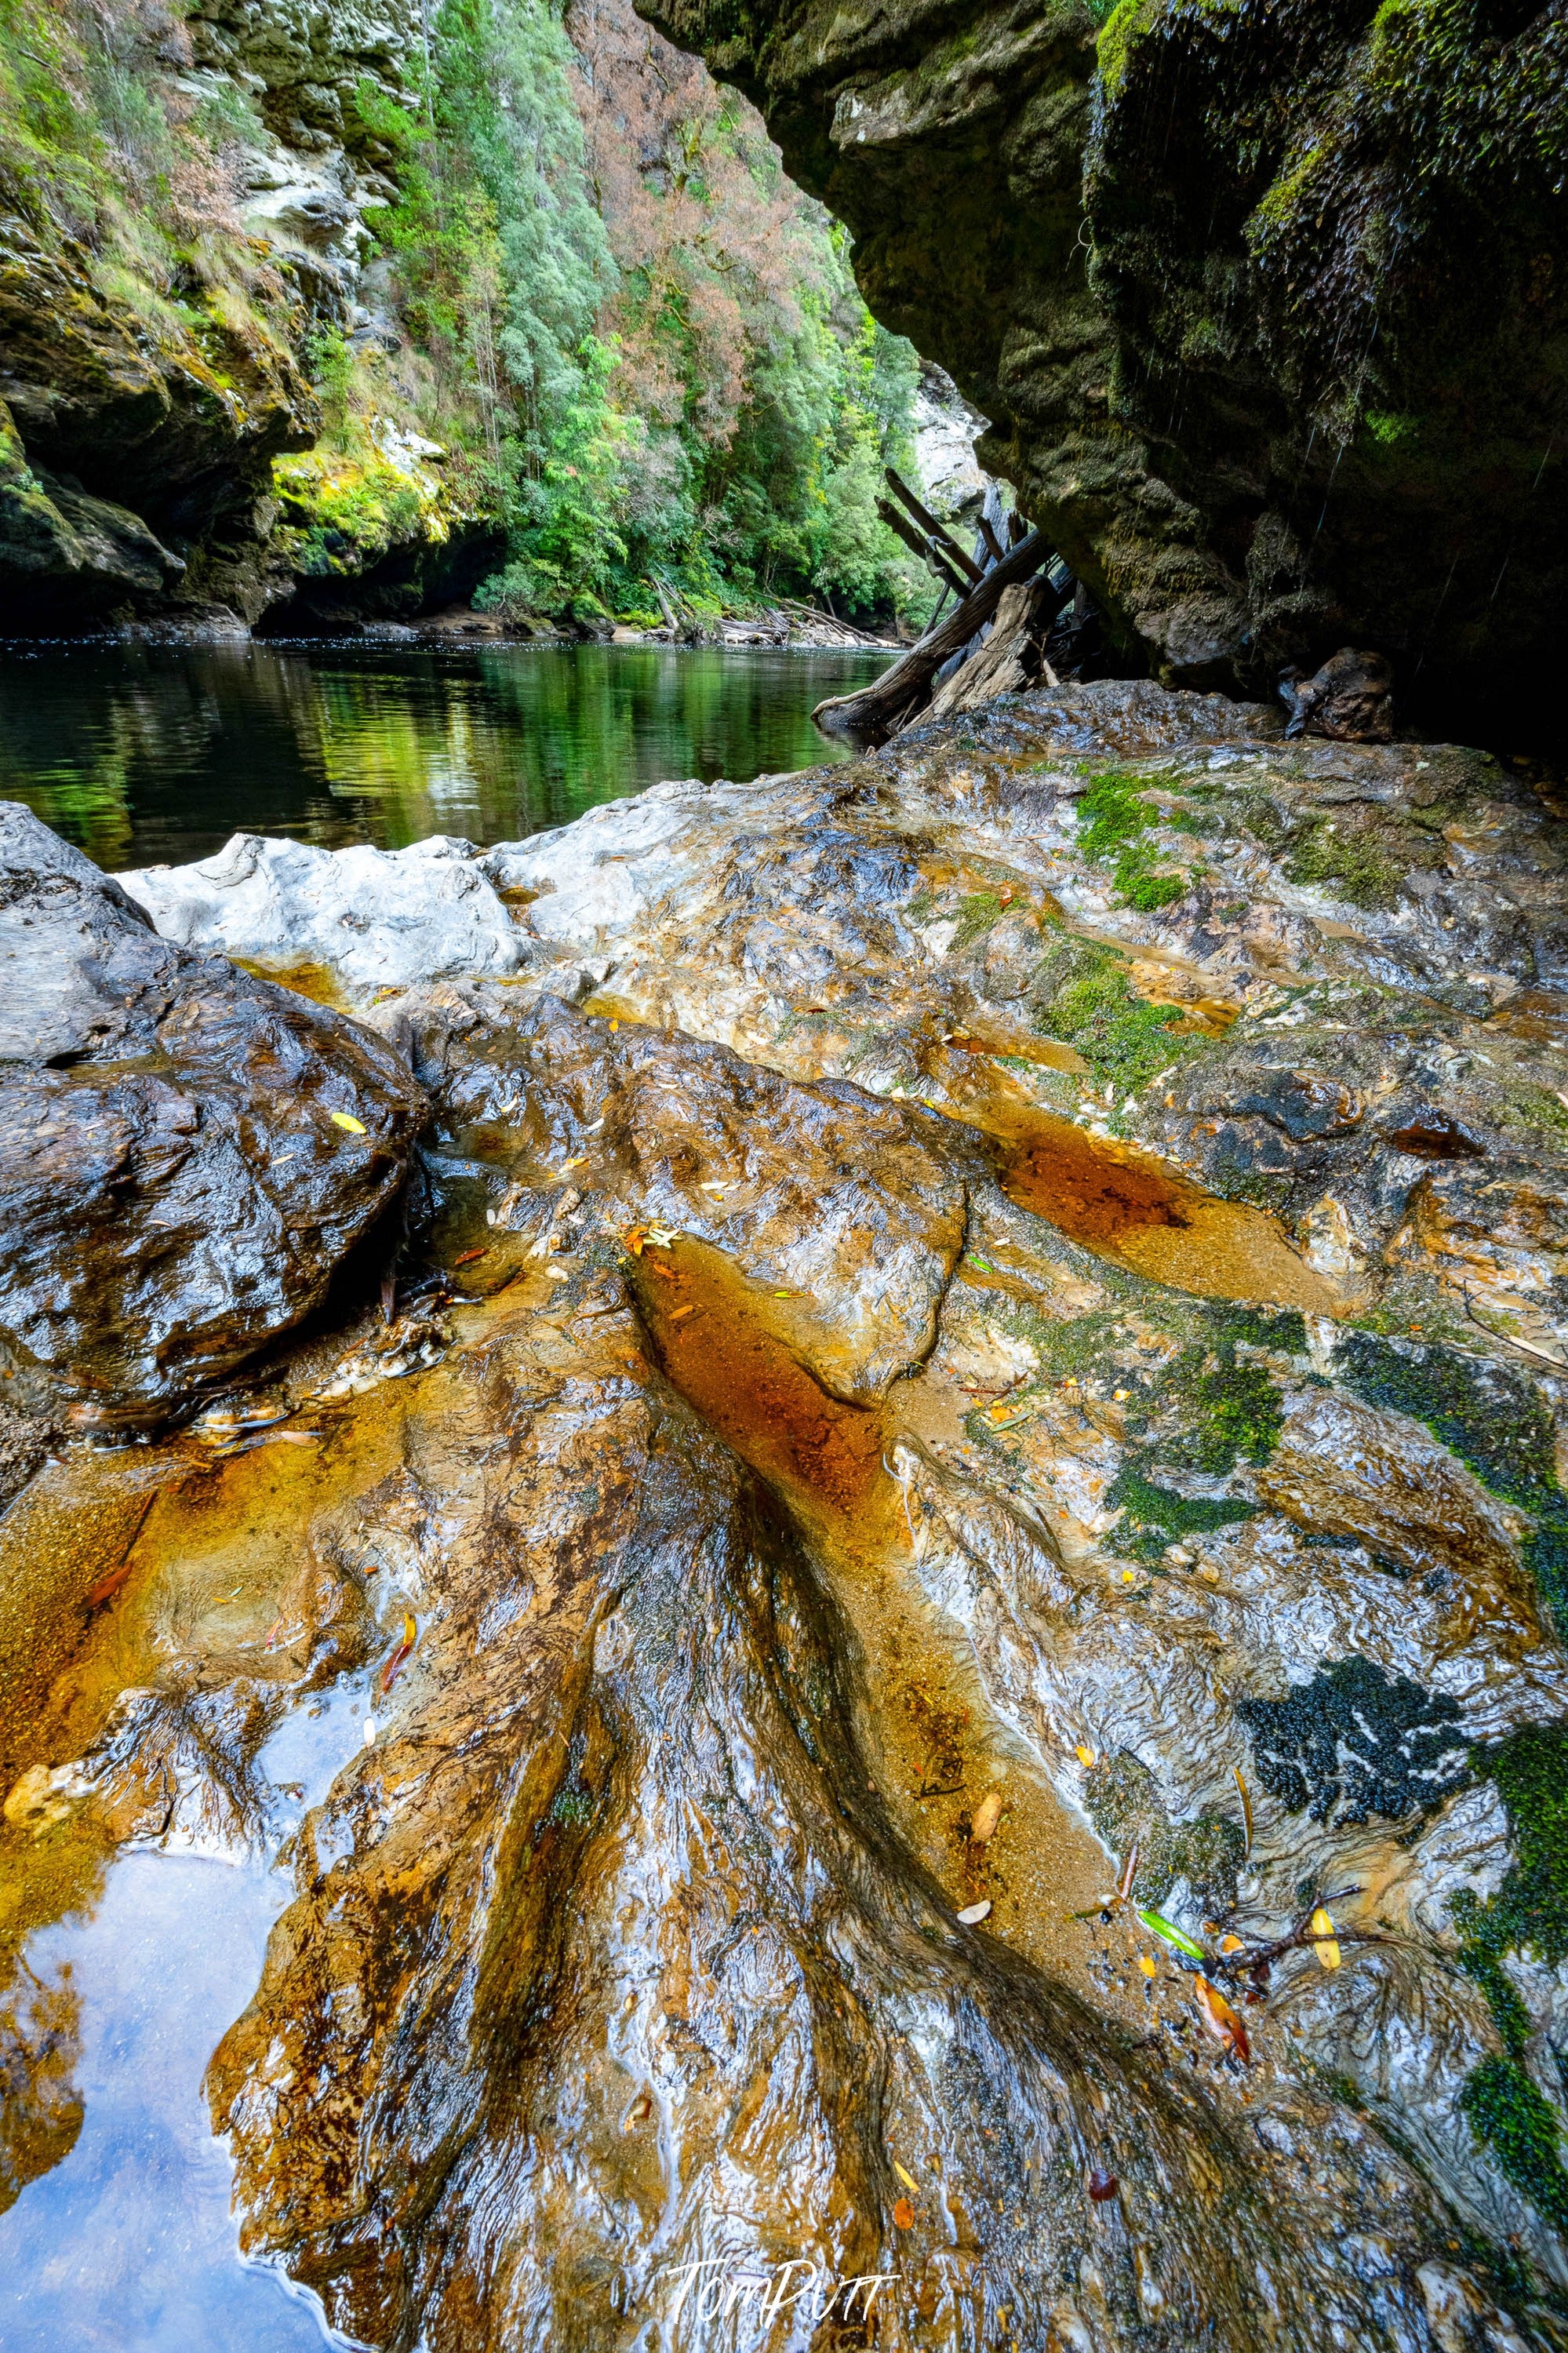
x,y
185,1152
1099,1166
1280,369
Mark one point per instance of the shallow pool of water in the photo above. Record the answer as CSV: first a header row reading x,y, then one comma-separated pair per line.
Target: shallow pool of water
x,y
156,754
126,2243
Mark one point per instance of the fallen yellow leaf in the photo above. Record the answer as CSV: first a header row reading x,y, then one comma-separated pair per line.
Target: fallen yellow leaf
x,y
1148,1967
907,2179
1328,1952
1321,1923
1085,1754
1222,2020
346,1119
1230,1943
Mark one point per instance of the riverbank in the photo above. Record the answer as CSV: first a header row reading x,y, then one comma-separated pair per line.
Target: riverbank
x,y
957,1436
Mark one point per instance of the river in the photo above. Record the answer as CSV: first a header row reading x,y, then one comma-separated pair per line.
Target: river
x,y
156,754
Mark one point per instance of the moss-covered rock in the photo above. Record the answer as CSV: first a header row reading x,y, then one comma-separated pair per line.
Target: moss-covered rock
x,y
182,193
1266,300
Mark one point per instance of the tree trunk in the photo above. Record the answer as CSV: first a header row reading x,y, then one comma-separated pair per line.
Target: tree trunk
x,y
869,717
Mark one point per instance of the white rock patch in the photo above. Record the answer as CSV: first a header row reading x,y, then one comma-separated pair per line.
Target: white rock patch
x,y
377,918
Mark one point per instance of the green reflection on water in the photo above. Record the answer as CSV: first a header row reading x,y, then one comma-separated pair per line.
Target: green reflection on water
x,y
148,755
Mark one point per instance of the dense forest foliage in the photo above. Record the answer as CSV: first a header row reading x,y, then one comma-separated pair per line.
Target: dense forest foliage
x,y
639,348
649,338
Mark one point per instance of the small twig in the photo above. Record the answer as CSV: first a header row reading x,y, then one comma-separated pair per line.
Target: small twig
x,y
1558,1364
1295,1940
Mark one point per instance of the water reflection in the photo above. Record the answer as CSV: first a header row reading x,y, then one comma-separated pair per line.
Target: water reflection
x,y
127,2244
115,2229
144,754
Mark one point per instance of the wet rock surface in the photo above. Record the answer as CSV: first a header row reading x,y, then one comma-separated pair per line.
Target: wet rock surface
x,y
373,918
188,1151
833,1467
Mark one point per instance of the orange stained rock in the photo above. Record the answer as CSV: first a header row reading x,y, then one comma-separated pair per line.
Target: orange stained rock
x,y
717,1342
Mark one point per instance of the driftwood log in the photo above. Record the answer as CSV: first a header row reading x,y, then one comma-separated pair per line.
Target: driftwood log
x,y
869,717
1013,656
926,549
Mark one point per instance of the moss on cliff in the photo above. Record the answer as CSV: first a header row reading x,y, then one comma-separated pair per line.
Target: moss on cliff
x,y
1345,224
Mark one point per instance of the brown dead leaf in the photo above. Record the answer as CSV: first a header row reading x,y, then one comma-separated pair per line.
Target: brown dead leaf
x,y
987,1814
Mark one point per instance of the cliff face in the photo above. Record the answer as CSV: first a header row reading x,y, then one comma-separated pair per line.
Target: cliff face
x,y
184,221
1267,302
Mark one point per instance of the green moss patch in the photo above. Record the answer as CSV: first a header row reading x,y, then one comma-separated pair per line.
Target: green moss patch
x,y
1080,995
1204,1411
1124,1806
1352,860
1492,1418
1229,1411
1113,816
1530,1907
976,915
1154,1516
1518,2125
1528,1912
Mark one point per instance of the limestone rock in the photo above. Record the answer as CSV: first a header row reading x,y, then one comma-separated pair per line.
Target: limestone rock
x,y
378,919
189,1152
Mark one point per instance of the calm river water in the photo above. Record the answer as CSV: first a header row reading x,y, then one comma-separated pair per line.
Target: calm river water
x,y
149,754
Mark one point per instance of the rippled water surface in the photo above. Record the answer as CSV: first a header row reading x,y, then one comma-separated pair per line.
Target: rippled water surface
x,y
149,754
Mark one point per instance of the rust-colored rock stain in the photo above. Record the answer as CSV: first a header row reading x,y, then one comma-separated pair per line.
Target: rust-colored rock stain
x,y
1092,1194
717,1343
926,1727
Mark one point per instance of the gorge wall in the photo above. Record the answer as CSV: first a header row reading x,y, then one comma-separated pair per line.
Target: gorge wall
x,y
156,349
1267,302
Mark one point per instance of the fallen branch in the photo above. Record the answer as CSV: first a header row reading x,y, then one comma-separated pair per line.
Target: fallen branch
x,y
815,613
936,532
927,550
1509,1341
871,716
